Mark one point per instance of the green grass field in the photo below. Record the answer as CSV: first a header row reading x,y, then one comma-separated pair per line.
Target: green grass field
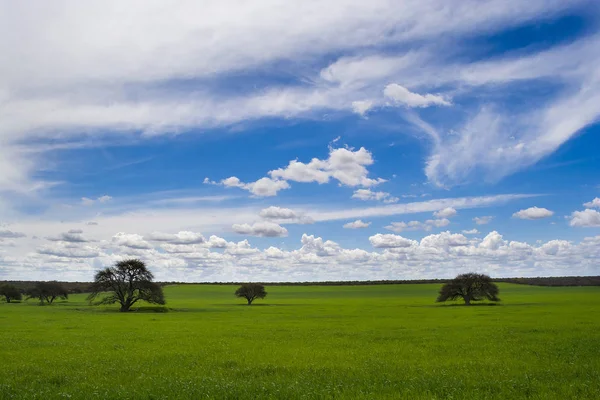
x,y
344,342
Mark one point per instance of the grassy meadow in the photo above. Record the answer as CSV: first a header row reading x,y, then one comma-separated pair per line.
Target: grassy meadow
x,y
307,342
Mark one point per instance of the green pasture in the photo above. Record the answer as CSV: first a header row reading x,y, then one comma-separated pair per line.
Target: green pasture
x,y
307,342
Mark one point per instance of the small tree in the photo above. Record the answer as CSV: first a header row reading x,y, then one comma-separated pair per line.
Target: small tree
x,y
128,282
10,293
251,291
469,287
47,292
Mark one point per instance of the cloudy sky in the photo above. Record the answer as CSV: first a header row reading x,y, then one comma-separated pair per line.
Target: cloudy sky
x,y
292,141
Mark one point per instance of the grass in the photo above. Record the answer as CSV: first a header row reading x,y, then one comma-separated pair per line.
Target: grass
x,y
348,342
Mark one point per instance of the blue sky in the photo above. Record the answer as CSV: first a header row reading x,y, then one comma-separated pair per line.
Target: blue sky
x,y
276,141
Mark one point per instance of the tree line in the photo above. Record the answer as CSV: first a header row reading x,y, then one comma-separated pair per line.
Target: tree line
x,y
45,292
85,287
129,282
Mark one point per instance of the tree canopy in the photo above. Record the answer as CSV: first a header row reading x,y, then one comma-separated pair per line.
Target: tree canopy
x,y
251,291
470,287
128,282
10,293
47,292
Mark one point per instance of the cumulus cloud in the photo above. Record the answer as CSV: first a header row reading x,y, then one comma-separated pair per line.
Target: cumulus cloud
x,y
447,212
533,213
417,225
383,241
317,246
587,218
345,165
593,204
401,95
473,231
358,224
483,220
264,187
368,194
492,241
392,257
131,240
278,213
284,214
262,229
444,240
183,237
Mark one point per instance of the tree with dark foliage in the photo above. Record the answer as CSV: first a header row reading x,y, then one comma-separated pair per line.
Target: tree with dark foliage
x,y
10,293
251,291
47,292
128,282
470,287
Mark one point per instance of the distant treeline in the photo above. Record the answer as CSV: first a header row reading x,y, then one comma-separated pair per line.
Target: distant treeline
x,y
548,281
555,281
71,287
84,287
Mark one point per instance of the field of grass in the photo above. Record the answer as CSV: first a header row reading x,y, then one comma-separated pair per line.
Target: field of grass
x,y
345,342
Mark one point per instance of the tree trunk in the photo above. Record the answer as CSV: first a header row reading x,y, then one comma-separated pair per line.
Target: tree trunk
x,y
249,301
467,301
8,299
124,308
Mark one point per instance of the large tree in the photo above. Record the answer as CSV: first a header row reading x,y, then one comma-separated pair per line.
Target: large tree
x,y
470,287
47,292
10,293
128,282
251,291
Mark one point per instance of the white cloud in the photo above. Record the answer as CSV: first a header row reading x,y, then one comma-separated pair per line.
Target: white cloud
x,y
278,213
417,225
67,94
362,106
368,194
318,246
585,218
285,215
447,212
183,237
402,95
392,257
358,224
390,241
345,165
533,213
216,242
444,240
470,232
274,252
492,241
262,229
89,202
131,240
593,204
483,220
264,187
417,207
